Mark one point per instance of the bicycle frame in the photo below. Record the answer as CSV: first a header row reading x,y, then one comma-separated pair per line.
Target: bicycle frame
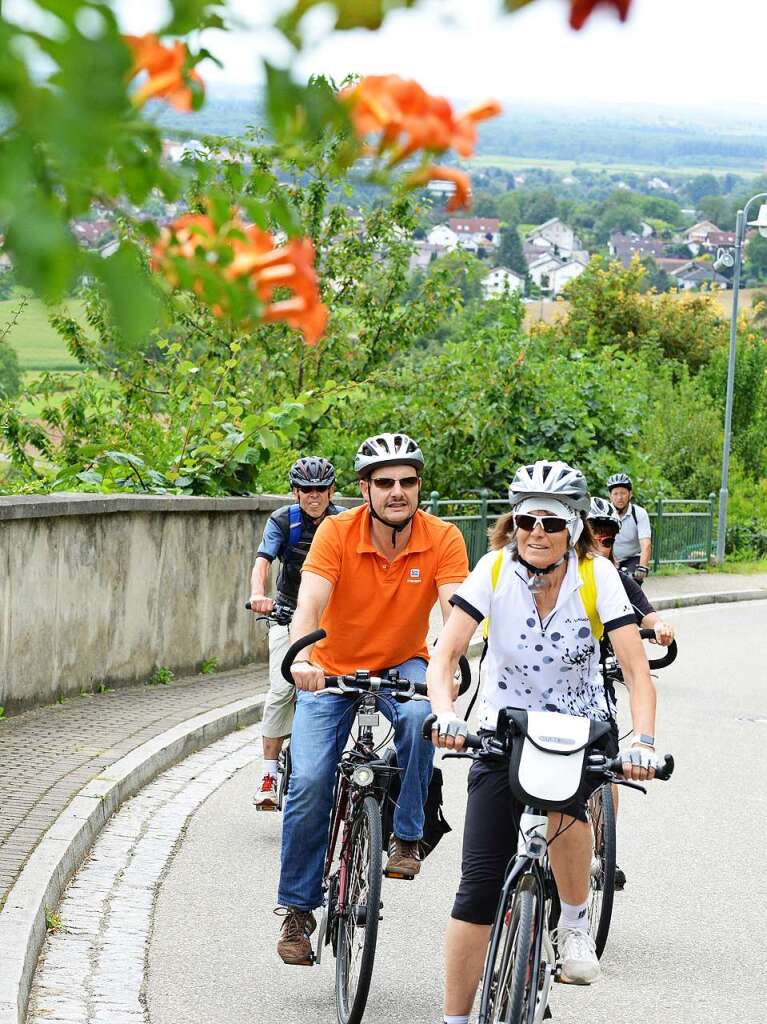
x,y
346,795
530,860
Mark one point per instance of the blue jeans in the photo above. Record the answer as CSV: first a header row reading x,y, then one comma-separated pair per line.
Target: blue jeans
x,y
320,731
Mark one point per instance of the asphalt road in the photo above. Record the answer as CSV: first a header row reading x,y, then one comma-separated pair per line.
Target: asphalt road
x,y
689,934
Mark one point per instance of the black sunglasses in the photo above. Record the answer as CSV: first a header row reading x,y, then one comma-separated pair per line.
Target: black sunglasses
x,y
550,524
385,483
312,488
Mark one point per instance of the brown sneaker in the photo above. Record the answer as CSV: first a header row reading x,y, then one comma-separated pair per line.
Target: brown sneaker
x,y
294,946
404,858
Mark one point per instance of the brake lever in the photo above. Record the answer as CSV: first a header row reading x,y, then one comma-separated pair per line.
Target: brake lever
x,y
618,781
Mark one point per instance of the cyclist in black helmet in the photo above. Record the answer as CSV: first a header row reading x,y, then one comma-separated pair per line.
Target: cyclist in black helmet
x,y
287,536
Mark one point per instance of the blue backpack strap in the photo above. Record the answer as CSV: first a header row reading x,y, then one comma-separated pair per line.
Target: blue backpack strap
x,y
295,524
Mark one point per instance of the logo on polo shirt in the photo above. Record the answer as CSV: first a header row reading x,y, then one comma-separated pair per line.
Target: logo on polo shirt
x,y
415,576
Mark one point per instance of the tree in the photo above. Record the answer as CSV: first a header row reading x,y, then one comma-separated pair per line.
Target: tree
x,y
10,375
756,258
510,253
537,206
702,185
655,278
718,210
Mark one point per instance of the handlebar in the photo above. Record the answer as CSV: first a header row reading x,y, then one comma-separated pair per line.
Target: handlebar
x,y
490,747
362,680
664,660
279,614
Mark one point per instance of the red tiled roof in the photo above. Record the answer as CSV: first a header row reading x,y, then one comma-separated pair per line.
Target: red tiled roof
x,y
474,225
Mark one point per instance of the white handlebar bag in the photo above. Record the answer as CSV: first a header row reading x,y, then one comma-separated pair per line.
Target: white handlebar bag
x,y
548,753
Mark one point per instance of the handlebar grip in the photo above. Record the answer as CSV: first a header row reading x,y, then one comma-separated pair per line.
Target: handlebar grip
x,y
471,741
293,650
247,605
667,658
663,772
463,665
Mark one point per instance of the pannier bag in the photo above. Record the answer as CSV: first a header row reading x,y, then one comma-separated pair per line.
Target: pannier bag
x,y
434,826
548,754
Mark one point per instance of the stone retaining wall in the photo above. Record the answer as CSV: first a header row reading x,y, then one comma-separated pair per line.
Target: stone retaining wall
x,y
104,589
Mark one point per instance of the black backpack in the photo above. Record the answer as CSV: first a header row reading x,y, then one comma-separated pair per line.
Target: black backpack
x,y
434,826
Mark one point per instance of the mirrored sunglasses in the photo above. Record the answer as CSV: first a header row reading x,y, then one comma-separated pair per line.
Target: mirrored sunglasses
x,y
549,524
605,539
386,483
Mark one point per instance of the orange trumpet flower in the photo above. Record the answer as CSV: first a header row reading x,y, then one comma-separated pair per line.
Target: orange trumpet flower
x,y
580,10
168,78
256,260
410,119
461,197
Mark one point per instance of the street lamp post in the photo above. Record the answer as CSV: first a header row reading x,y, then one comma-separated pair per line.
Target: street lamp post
x,y
727,259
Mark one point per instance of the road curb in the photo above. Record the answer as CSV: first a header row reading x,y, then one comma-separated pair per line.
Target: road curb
x,y
720,597
67,842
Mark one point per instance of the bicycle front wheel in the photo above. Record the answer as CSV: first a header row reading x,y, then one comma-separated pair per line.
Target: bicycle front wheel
x,y
358,926
602,882
513,974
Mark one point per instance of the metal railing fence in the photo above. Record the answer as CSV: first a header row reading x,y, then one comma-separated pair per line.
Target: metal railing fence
x,y
682,530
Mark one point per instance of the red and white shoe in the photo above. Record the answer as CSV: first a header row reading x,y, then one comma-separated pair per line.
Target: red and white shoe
x,y
265,797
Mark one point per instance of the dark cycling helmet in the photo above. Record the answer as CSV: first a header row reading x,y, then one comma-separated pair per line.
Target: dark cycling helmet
x,y
619,480
312,471
550,480
603,511
387,450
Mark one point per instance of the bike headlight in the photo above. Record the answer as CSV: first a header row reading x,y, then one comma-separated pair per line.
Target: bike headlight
x,y
363,776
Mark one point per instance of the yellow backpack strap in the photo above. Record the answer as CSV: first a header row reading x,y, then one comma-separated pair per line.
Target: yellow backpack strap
x,y
495,572
589,595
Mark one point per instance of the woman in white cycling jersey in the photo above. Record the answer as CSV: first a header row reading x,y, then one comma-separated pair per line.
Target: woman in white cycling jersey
x,y
542,655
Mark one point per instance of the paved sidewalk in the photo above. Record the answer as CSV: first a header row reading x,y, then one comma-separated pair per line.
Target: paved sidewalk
x,y
703,583
49,754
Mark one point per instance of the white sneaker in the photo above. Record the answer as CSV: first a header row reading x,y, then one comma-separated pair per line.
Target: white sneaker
x,y
265,797
580,965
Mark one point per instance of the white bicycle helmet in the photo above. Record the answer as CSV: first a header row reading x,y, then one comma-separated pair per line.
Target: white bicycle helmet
x,y
602,510
619,480
387,450
545,479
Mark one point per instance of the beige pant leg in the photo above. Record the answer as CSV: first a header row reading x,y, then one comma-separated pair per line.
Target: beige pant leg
x,y
281,699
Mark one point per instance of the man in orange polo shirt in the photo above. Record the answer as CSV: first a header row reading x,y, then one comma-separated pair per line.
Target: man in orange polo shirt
x,y
370,580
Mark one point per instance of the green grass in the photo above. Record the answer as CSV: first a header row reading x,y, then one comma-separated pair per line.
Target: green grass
x,y
731,565
37,344
519,163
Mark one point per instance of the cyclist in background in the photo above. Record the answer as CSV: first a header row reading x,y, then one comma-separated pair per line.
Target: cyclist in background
x,y
632,547
287,536
372,577
605,524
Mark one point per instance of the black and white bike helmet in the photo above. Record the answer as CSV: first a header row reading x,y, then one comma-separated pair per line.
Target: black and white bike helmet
x,y
387,450
550,480
619,480
603,511
312,471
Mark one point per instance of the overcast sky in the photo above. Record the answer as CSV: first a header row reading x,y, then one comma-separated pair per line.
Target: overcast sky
x,y
670,52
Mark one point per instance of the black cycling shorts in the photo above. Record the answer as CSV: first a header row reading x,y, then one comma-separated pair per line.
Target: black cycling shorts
x,y
490,836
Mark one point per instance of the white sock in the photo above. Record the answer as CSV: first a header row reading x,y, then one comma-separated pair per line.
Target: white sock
x,y
575,917
460,1018
270,768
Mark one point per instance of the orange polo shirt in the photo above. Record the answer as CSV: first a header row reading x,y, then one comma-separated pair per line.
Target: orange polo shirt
x,y
378,612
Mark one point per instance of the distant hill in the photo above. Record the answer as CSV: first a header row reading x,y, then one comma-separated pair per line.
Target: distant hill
x,y
675,139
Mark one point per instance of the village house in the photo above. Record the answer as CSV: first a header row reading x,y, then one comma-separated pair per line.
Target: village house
x,y
476,232
441,235
501,281
697,236
557,238
625,247
551,273
694,275
424,254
